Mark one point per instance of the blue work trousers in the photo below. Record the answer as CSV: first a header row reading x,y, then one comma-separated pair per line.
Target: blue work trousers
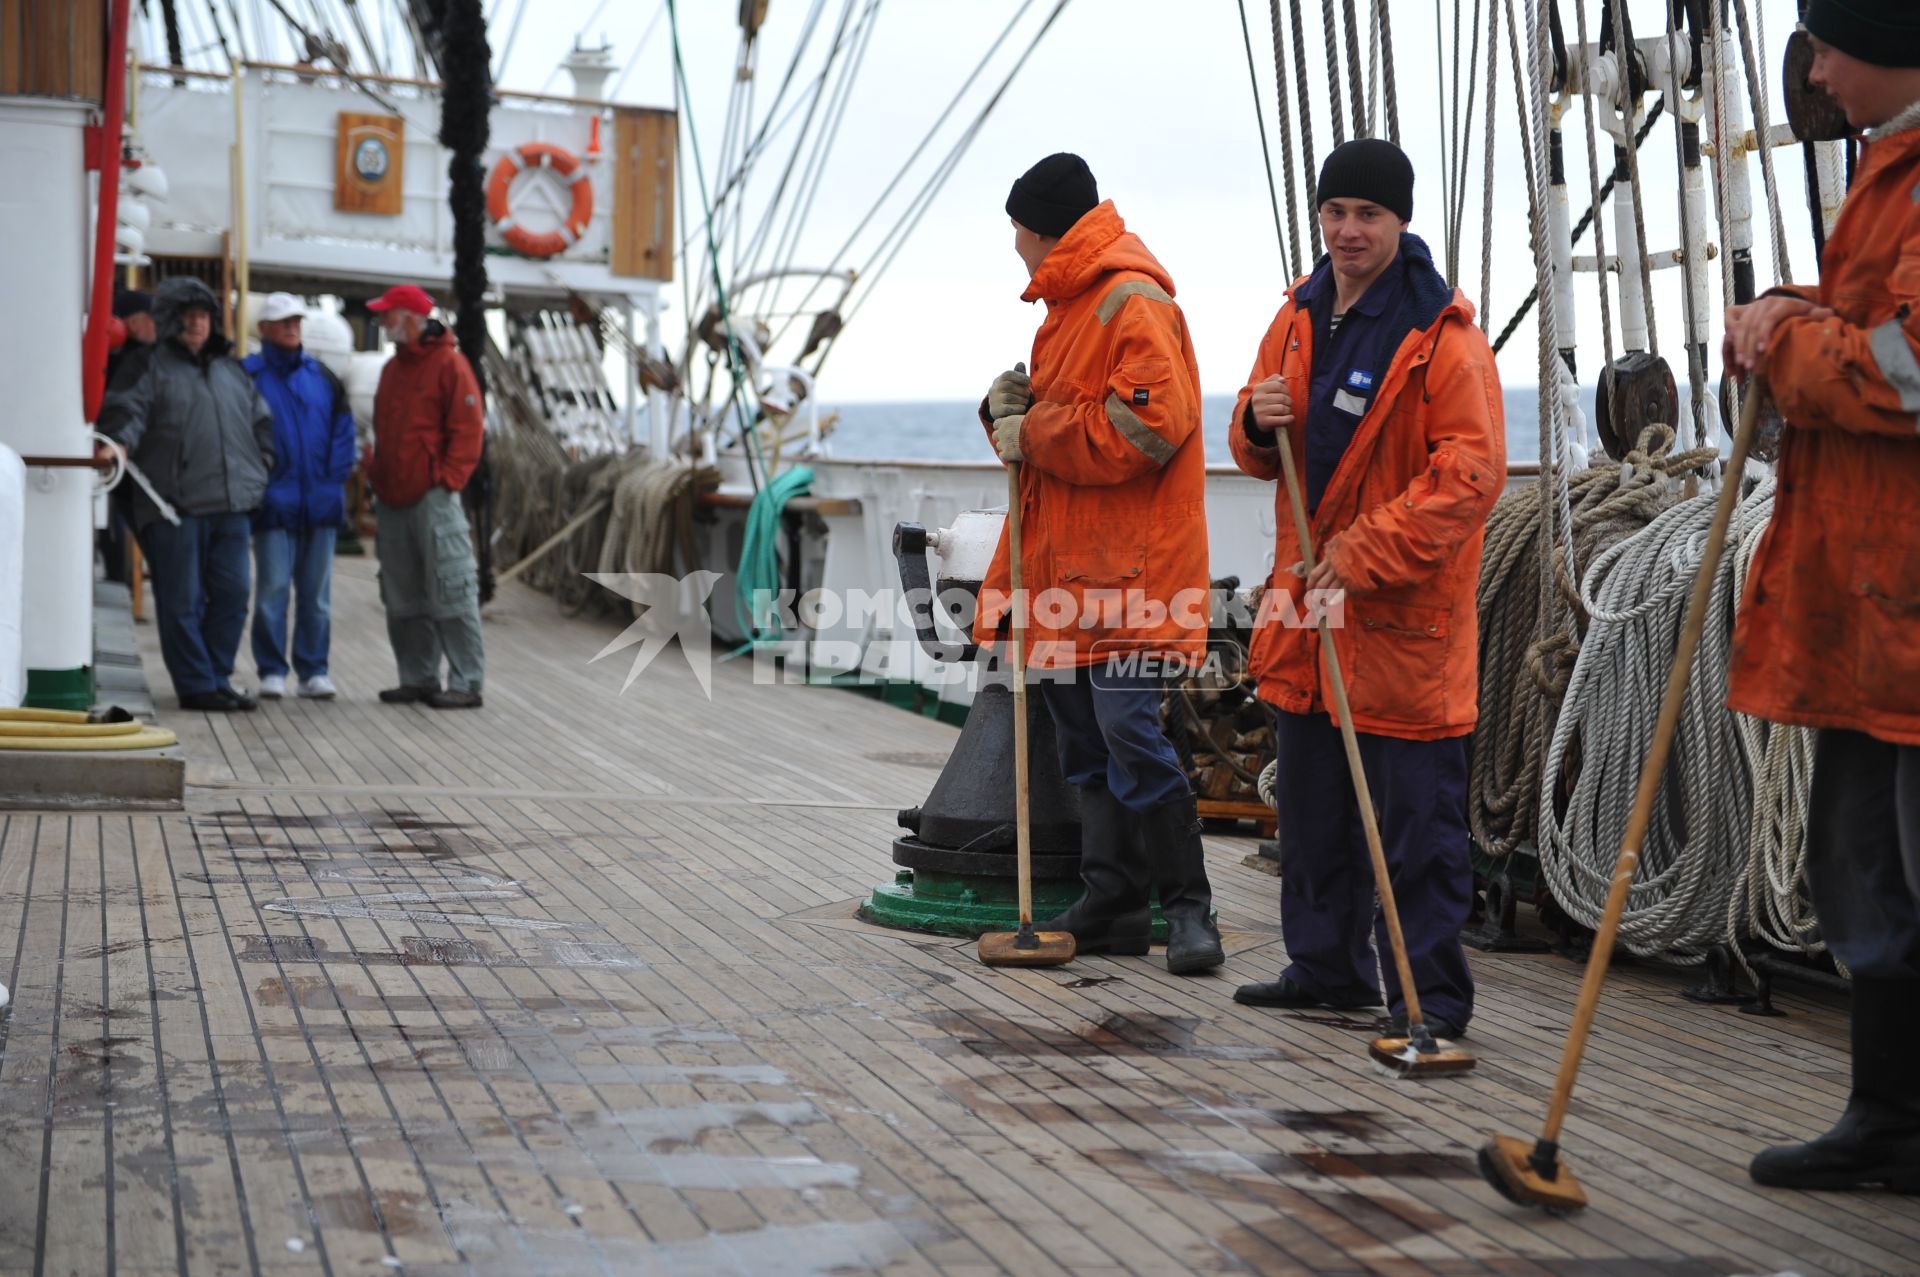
x,y
1328,911
1108,729
296,561
199,574
1863,853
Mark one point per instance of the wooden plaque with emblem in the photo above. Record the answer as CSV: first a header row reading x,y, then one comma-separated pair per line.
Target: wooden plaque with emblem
x,y
367,176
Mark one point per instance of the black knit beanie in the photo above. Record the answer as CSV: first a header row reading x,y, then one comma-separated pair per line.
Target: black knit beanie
x,y
1054,194
1883,32
1372,169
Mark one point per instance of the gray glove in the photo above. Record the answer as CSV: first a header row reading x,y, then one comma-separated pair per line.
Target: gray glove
x,y
1006,436
1012,393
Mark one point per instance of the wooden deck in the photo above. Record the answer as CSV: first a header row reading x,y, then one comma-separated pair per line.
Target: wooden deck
x,y
571,985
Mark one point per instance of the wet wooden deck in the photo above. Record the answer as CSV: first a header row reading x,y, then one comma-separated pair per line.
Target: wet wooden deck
x,y
571,985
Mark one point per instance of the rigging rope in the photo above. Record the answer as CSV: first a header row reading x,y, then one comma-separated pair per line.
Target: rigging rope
x,y
1331,24
1462,129
464,128
1297,265
1758,100
633,59
1689,254
1624,52
871,275
1305,98
907,165
1447,238
171,17
1266,157
1486,211
1586,220
1360,126
1393,91
736,364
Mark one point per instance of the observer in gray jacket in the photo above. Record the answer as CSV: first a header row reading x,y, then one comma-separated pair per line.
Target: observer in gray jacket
x,y
190,417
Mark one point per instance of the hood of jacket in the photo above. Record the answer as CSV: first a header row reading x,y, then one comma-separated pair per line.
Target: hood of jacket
x,y
1096,245
432,337
173,299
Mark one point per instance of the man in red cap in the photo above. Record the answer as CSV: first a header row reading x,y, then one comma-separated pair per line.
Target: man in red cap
x,y
428,428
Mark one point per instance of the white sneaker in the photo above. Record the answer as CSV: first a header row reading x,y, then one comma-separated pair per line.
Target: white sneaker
x,y
318,688
4,998
273,686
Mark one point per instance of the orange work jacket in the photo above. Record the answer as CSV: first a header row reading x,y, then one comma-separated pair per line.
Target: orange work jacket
x,y
1112,489
1829,631
1402,519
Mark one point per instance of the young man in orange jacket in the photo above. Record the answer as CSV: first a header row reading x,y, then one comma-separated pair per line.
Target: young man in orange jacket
x,y
1828,634
1113,553
1392,407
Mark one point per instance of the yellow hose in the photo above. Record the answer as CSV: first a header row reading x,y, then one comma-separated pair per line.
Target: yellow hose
x,y
67,729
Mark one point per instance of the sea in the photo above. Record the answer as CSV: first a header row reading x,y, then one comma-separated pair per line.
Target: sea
x,y
950,430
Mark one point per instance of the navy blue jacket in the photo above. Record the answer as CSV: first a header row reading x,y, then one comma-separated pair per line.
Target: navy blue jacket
x,y
313,441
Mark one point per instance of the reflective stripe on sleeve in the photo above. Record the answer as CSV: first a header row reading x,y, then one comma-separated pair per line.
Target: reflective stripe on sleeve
x,y
1893,355
1137,432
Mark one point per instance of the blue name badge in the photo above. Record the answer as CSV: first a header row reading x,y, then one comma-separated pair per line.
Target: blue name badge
x,y
1360,379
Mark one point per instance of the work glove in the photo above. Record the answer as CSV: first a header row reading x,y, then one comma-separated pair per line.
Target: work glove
x,y
1006,436
1012,393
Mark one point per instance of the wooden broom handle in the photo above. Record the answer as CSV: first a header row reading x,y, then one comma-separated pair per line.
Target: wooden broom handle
x,y
1382,881
1022,826
1655,764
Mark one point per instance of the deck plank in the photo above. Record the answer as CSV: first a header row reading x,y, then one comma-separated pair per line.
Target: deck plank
x,y
571,985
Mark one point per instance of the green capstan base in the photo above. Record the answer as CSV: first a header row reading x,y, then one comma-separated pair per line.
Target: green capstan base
x,y
969,905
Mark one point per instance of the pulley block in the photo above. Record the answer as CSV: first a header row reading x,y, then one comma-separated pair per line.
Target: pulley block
x,y
1636,390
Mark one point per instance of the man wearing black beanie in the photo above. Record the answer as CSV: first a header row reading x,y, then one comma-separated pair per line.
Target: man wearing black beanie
x,y
1375,377
1113,553
1825,637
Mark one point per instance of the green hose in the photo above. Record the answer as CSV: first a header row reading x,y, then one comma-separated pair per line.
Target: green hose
x,y
759,574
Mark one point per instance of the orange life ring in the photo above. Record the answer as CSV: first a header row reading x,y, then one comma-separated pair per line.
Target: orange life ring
x,y
558,160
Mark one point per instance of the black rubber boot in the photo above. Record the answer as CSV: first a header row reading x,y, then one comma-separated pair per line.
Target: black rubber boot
x,y
1114,915
1877,1140
1172,833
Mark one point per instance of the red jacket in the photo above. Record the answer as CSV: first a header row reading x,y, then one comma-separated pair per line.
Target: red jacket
x,y
1113,486
427,421
1402,521
1829,631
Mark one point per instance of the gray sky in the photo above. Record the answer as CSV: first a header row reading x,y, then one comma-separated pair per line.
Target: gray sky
x,y
1155,95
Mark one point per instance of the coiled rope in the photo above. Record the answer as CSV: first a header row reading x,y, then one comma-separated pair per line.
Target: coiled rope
x,y
1695,852
1523,672
1771,902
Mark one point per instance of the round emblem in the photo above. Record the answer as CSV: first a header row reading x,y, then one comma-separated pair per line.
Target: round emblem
x,y
370,159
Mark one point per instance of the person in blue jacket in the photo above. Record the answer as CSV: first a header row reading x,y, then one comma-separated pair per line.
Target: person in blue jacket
x,y
304,506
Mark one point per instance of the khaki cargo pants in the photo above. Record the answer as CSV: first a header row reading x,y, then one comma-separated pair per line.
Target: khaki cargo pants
x,y
430,585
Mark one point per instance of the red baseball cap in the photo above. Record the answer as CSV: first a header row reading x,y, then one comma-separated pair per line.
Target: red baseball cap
x,y
403,297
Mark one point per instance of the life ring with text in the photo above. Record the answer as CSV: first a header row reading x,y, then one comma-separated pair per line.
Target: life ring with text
x,y
555,159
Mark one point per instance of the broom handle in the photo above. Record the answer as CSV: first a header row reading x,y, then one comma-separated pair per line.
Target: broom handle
x,y
1348,737
1651,770
1023,832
